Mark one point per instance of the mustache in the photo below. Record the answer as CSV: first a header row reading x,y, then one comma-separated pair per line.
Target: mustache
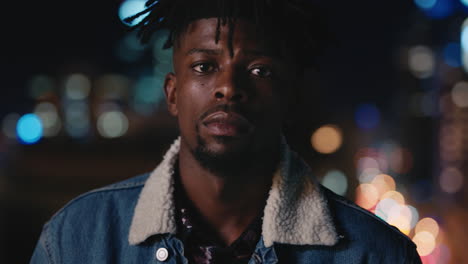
x,y
228,108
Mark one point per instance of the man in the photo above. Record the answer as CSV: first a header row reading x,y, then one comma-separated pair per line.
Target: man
x,y
229,190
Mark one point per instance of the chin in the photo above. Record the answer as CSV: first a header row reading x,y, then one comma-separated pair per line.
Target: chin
x,y
224,155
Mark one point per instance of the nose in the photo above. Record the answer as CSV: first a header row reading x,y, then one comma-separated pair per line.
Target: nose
x,y
229,87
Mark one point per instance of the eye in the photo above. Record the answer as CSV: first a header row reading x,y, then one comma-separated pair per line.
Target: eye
x,y
203,67
261,71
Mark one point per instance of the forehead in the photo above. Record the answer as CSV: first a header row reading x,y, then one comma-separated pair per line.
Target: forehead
x,y
243,34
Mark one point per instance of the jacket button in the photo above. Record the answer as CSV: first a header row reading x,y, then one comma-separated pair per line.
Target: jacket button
x,y
162,254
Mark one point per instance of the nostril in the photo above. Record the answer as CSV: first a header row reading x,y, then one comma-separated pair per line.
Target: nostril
x,y
219,95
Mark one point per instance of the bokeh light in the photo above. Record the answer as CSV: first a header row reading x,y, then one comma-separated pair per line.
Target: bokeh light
x,y
129,48
9,125
394,195
367,116
400,216
336,181
414,216
383,183
48,114
29,129
112,87
400,160
368,174
112,124
384,207
148,94
436,9
425,243
425,4
429,225
40,85
451,180
129,8
464,44
421,62
367,196
327,139
452,54
460,94
77,122
77,86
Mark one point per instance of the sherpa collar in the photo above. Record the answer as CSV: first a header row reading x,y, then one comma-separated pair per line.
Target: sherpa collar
x,y
295,212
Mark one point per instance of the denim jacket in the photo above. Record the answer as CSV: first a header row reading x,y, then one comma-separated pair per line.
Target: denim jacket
x,y
133,222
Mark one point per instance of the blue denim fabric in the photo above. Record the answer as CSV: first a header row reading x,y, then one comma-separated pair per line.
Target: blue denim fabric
x,y
94,228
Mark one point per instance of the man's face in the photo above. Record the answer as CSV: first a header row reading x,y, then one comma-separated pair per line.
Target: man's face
x,y
228,105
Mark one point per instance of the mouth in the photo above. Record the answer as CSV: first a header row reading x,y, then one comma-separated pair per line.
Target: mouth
x,y
227,124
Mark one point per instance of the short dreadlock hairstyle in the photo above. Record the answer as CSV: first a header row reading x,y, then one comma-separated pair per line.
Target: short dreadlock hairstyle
x,y
296,25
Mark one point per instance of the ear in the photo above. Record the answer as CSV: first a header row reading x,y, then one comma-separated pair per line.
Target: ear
x,y
170,92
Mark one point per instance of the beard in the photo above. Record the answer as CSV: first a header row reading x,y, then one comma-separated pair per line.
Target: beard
x,y
228,163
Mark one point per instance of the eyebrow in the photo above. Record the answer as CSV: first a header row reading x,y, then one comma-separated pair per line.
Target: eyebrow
x,y
206,51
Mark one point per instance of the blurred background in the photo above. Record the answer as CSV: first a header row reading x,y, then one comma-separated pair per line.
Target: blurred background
x,y
384,122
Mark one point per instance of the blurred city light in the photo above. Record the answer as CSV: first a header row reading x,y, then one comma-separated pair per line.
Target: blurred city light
x,y
425,243
383,183
414,216
464,44
452,54
336,181
367,163
29,129
77,86
327,139
436,8
129,48
429,225
367,196
40,85
421,62
367,116
400,160
368,174
460,94
112,124
451,180
77,122
129,8
425,4
50,119
9,125
112,87
394,195
148,93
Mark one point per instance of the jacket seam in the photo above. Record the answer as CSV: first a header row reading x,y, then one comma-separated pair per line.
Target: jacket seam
x,y
47,245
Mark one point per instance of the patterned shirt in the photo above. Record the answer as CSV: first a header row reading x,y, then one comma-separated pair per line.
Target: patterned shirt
x,y
201,245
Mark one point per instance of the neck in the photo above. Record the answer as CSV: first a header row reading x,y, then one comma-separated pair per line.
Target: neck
x,y
229,203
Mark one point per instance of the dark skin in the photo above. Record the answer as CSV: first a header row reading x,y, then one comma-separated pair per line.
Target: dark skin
x,y
234,105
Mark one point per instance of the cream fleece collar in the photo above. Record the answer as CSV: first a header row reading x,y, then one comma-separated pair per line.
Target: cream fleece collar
x,y
295,213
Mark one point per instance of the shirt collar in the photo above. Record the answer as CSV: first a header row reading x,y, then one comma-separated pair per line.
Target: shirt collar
x,y
295,213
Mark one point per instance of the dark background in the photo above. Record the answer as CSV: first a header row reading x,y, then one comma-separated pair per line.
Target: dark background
x,y
368,64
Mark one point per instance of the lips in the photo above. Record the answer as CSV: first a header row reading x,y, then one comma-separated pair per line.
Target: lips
x,y
228,124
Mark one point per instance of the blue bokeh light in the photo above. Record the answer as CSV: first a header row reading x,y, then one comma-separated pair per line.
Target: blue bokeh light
x,y
29,129
425,4
464,2
464,38
132,7
452,54
367,116
436,9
